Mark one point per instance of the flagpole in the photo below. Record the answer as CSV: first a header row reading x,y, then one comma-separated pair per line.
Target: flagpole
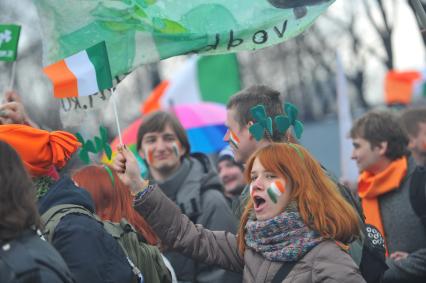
x,y
348,168
420,13
12,79
116,116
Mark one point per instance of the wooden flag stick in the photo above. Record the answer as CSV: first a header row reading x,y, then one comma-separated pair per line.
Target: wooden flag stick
x,y
116,115
12,78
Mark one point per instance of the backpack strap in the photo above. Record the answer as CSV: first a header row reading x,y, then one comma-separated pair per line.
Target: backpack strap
x,y
284,270
417,193
53,216
118,231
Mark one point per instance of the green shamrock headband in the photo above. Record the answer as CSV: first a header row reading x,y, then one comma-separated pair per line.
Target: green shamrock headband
x,y
98,145
111,176
292,145
284,122
263,123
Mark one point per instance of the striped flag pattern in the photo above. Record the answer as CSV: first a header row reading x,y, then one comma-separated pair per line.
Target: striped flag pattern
x,y
276,189
202,78
84,73
176,149
234,139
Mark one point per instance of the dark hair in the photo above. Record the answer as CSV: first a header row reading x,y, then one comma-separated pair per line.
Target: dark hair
x,y
232,160
410,119
157,122
18,210
244,100
382,126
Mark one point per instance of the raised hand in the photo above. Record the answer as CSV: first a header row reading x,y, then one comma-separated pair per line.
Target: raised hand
x,y
12,111
126,166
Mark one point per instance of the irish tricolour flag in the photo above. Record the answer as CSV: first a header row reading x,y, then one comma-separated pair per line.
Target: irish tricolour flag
x,y
201,79
84,73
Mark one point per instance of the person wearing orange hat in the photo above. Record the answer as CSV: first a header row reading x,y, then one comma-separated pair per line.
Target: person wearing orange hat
x,y
39,149
88,250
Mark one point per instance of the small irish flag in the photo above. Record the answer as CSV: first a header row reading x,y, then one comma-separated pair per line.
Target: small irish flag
x,y
84,73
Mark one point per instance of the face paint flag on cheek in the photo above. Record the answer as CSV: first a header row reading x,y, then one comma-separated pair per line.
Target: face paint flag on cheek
x,y
176,149
234,139
276,189
149,156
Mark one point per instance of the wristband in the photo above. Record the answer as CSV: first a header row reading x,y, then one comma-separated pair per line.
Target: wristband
x,y
145,185
142,193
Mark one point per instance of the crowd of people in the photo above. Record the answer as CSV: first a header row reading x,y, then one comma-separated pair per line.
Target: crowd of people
x,y
263,210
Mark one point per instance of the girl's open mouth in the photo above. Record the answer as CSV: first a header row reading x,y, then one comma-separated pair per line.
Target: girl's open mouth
x,y
259,203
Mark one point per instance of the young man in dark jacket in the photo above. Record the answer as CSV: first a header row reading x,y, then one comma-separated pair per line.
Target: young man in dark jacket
x,y
192,183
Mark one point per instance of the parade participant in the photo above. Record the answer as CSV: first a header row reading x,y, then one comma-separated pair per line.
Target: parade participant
x,y
238,121
295,219
380,151
366,251
413,121
191,182
114,203
231,173
24,256
88,250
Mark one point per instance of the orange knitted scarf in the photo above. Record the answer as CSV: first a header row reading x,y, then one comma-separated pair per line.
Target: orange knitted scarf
x,y
371,186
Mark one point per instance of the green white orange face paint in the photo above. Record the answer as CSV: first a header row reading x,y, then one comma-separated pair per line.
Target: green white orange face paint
x,y
276,189
149,154
233,139
175,149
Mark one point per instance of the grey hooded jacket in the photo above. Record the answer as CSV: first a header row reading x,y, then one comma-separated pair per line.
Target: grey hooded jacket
x,y
404,232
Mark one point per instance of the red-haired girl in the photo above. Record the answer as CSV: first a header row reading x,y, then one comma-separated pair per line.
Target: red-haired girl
x,y
295,222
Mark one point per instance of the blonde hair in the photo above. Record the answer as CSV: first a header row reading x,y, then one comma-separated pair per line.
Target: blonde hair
x,y
319,201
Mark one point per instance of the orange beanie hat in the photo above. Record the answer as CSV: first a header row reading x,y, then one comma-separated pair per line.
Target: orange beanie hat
x,y
39,149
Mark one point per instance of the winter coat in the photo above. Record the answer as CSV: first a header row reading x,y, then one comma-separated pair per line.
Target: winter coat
x,y
404,232
91,254
324,263
197,190
28,258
